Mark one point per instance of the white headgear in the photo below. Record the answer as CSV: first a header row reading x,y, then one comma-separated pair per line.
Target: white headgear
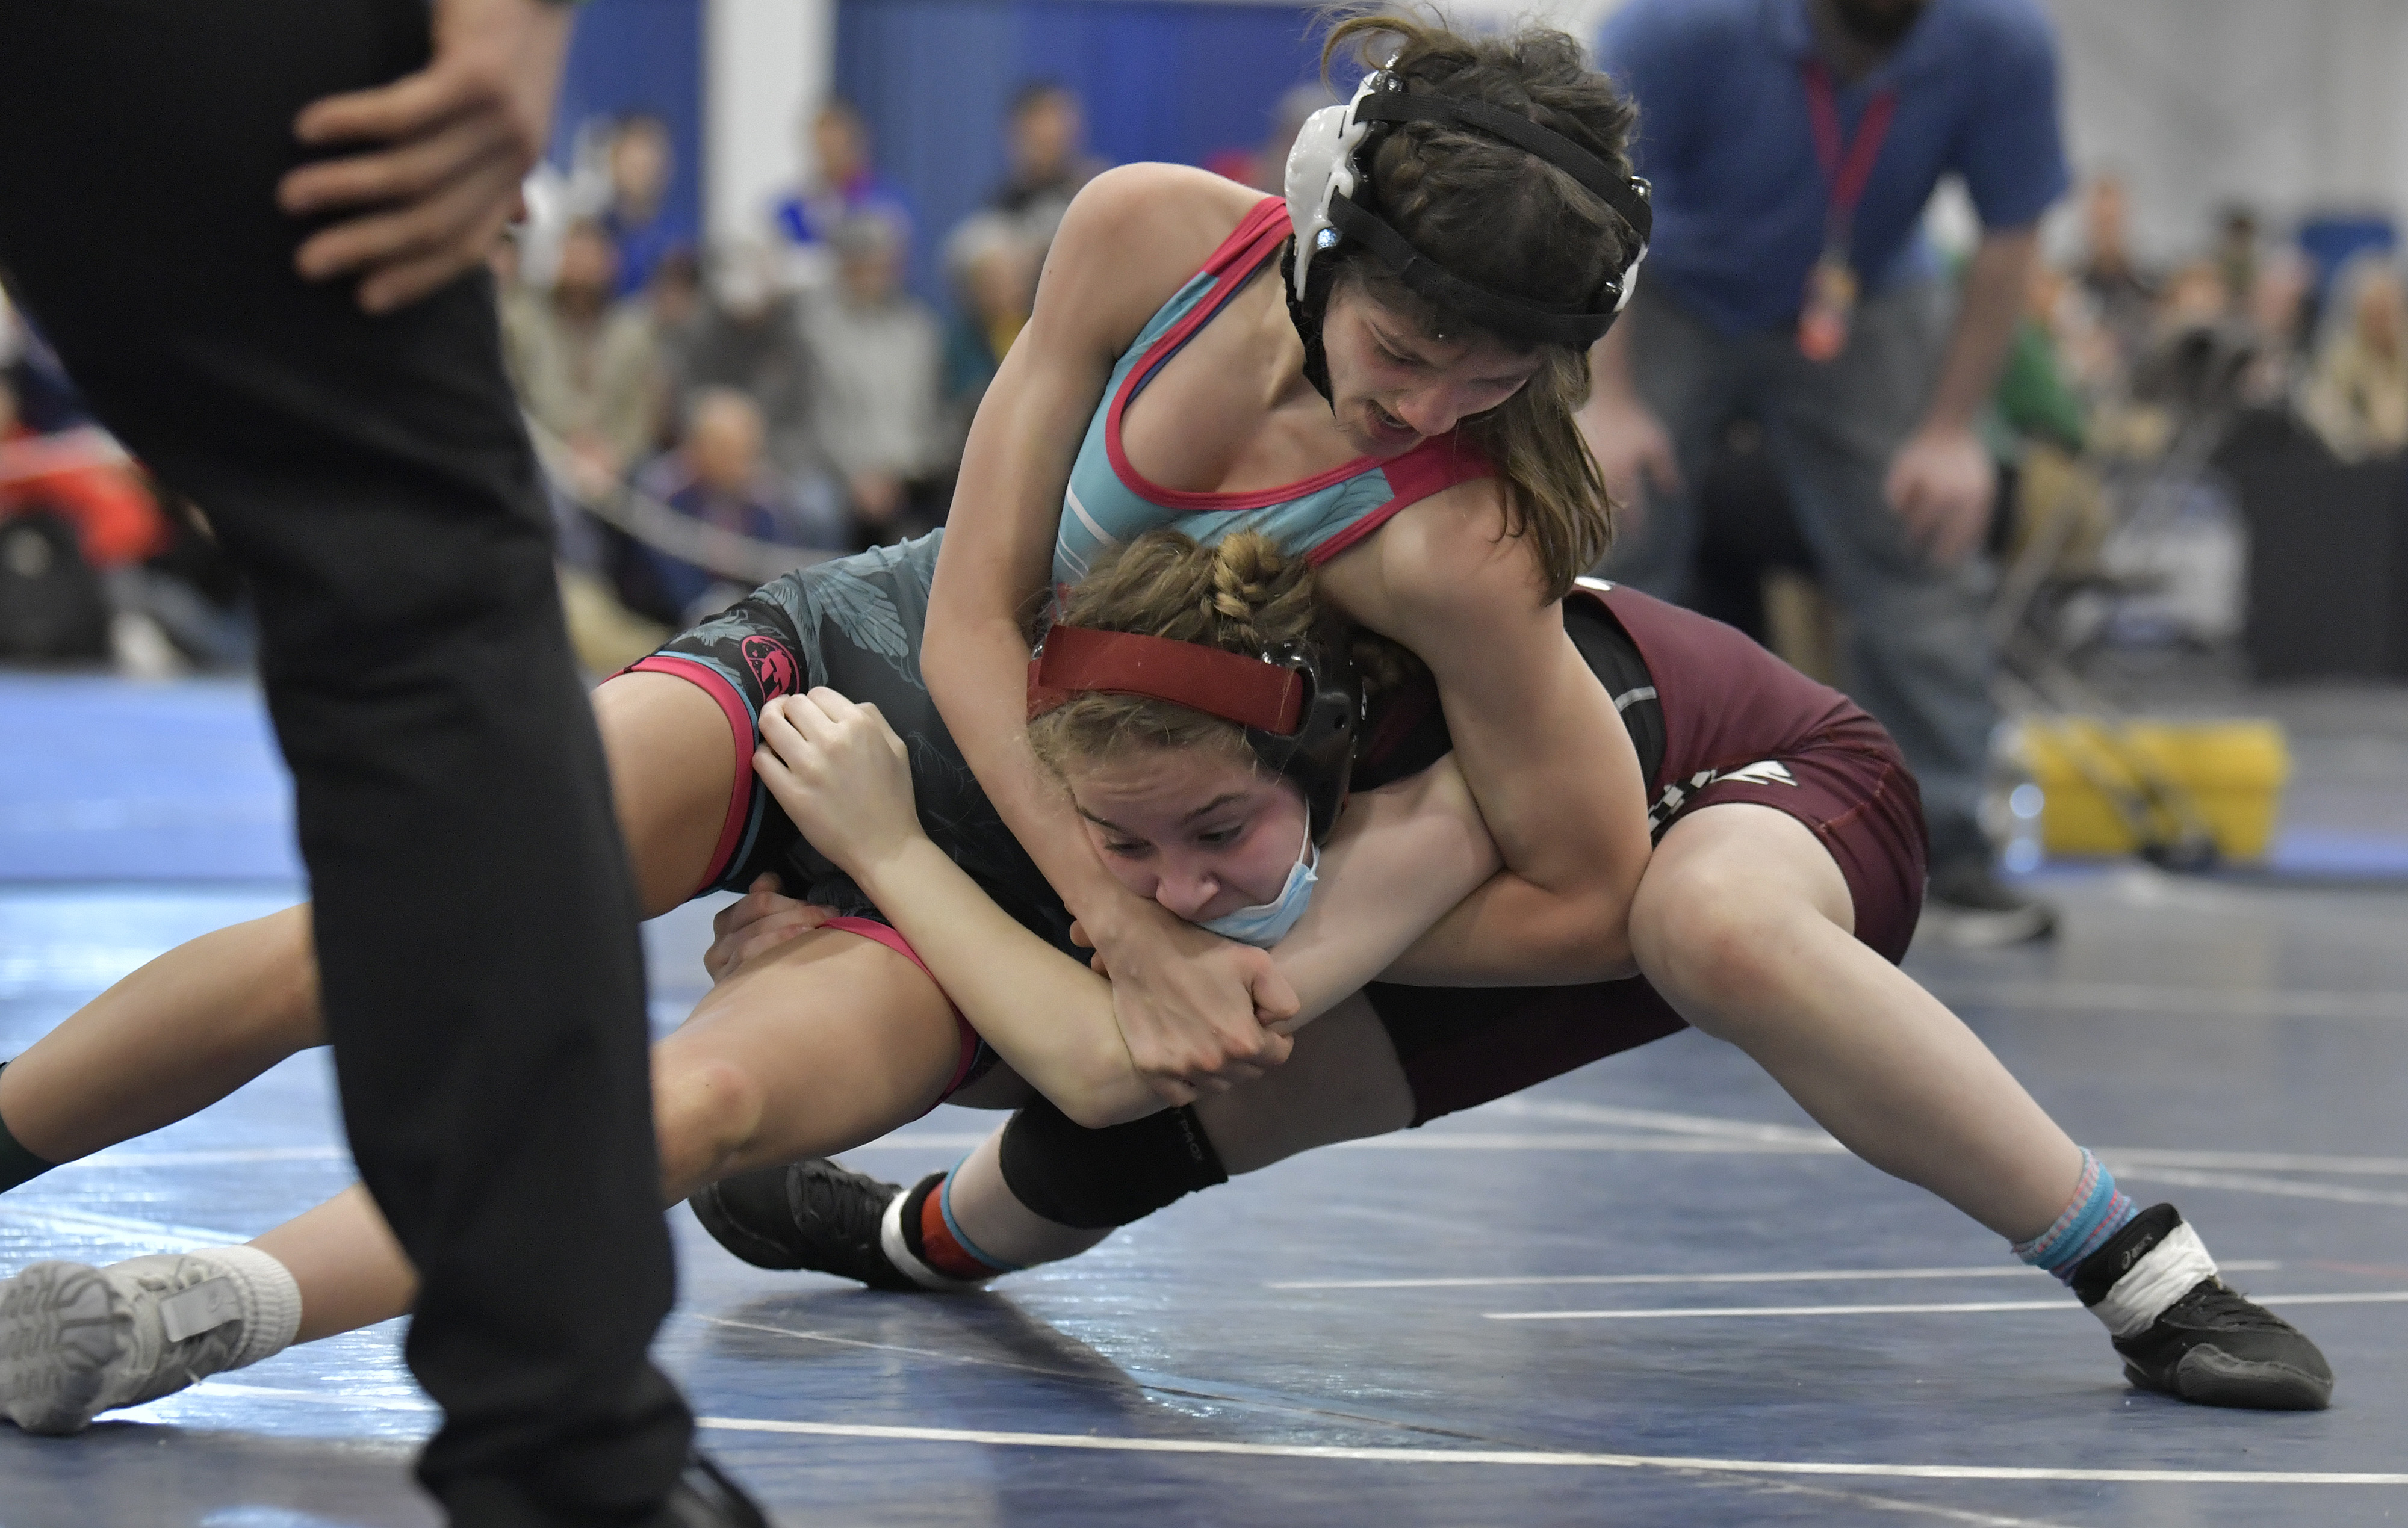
x,y
1324,186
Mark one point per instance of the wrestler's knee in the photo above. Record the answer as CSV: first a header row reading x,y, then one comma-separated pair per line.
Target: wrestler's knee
x,y
706,1112
1713,940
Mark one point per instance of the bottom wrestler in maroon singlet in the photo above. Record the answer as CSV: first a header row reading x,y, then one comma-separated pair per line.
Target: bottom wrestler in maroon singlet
x,y
1735,725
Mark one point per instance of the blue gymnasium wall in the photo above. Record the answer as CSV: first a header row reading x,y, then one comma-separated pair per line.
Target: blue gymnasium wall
x,y
1162,79
639,55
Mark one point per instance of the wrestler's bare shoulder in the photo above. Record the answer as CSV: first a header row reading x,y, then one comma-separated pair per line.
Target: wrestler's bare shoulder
x,y
1136,233
1441,559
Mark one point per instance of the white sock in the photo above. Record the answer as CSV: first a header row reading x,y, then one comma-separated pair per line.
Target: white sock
x,y
194,1314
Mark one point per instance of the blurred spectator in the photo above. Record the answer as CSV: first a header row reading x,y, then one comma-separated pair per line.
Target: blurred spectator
x,y
1793,148
675,304
2356,392
2278,318
642,162
1264,166
844,183
674,294
749,337
2125,296
879,353
2035,400
2200,348
1049,161
586,365
994,273
716,476
2236,257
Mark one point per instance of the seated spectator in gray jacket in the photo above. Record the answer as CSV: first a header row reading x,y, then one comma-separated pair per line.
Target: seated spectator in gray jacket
x,y
587,365
717,475
879,352
994,272
749,335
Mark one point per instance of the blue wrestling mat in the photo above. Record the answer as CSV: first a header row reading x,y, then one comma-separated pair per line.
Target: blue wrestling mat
x,y
105,781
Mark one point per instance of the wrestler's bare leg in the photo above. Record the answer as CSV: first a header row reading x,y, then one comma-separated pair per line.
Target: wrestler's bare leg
x,y
212,1013
1743,922
829,1041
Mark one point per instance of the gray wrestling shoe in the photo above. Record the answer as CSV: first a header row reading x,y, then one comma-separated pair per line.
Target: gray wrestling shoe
x,y
75,1341
58,1330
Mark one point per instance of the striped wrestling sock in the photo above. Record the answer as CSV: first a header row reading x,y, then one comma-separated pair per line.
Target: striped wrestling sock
x,y
933,1253
2096,1212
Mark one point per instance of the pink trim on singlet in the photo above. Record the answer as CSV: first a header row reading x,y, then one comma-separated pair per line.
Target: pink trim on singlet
x,y
1413,477
1433,466
739,726
871,928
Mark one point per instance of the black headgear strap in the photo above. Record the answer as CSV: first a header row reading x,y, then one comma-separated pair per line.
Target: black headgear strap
x,y
1533,322
1625,194
1306,314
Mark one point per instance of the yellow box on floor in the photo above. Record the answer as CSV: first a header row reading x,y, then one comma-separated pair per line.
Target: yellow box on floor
x,y
2231,774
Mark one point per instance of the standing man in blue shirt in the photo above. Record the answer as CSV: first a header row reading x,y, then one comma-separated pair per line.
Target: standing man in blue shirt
x,y
1793,145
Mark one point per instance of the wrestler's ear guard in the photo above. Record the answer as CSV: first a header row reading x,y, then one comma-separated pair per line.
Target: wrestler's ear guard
x,y
1321,168
1328,202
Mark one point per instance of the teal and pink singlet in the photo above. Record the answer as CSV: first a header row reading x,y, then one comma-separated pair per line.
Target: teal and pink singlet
x,y
1713,717
1110,502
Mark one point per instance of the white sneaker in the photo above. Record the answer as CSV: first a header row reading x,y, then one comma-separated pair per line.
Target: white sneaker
x,y
75,1341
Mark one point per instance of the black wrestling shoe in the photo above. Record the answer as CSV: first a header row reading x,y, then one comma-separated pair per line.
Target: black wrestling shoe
x,y
809,1215
2204,1342
705,1497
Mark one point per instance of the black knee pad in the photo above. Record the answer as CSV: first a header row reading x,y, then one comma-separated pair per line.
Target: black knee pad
x,y
1096,1180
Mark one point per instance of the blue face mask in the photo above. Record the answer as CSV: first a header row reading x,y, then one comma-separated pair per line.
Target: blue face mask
x,y
1267,924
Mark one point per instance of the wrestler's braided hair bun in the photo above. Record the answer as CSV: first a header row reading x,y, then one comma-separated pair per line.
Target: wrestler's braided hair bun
x,y
1501,217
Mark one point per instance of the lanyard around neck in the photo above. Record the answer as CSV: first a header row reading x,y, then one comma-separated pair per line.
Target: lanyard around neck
x,y
1847,163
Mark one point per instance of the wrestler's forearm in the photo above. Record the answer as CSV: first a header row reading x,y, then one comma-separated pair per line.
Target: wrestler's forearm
x,y
1508,933
977,667
1401,857
1046,1015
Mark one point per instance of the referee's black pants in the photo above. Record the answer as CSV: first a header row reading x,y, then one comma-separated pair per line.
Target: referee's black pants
x,y
476,927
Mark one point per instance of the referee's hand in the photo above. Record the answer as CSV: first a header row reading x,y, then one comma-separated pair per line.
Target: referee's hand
x,y
440,154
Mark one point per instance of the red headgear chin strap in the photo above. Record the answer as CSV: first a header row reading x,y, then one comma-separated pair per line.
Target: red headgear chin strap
x,y
1079,660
